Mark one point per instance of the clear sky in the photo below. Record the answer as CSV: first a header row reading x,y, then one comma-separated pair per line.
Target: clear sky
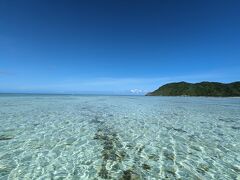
x,y
115,46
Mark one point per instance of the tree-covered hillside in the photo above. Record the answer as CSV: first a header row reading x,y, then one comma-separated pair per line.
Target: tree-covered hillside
x,y
198,89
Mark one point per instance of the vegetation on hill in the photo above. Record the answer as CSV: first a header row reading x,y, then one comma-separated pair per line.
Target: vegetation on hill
x,y
198,89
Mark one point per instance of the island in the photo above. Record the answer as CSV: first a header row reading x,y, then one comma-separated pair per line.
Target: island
x,y
205,88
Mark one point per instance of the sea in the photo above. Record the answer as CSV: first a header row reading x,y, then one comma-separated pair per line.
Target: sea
x,y
118,137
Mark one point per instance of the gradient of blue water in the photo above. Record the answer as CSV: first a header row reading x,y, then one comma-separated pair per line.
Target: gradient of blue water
x,y
117,137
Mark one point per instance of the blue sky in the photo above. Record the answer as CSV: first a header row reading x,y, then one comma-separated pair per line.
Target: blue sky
x,y
115,46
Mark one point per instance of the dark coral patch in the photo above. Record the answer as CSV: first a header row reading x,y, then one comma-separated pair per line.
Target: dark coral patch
x,y
146,167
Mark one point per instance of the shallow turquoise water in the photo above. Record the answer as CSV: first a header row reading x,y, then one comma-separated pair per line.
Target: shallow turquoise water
x,y
119,137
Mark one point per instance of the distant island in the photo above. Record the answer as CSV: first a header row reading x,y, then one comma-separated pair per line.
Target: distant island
x,y
215,89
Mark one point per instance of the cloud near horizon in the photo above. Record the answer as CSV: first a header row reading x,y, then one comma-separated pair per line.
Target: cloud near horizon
x,y
137,91
107,85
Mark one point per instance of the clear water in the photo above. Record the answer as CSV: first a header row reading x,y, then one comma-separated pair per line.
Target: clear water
x,y
119,137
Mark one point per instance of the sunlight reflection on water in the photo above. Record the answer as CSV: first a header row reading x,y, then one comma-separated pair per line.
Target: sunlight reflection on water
x,y
119,137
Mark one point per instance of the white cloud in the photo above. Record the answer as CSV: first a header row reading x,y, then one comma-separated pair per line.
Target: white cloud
x,y
137,91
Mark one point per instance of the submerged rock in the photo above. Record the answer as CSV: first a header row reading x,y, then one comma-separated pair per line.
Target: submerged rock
x,y
169,155
179,130
103,173
5,137
146,167
228,120
170,172
236,168
153,157
236,127
111,151
4,170
203,168
129,175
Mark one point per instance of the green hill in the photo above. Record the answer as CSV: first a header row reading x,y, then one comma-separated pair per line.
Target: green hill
x,y
198,89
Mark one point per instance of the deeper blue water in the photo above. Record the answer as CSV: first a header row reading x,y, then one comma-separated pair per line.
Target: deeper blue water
x,y
119,137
